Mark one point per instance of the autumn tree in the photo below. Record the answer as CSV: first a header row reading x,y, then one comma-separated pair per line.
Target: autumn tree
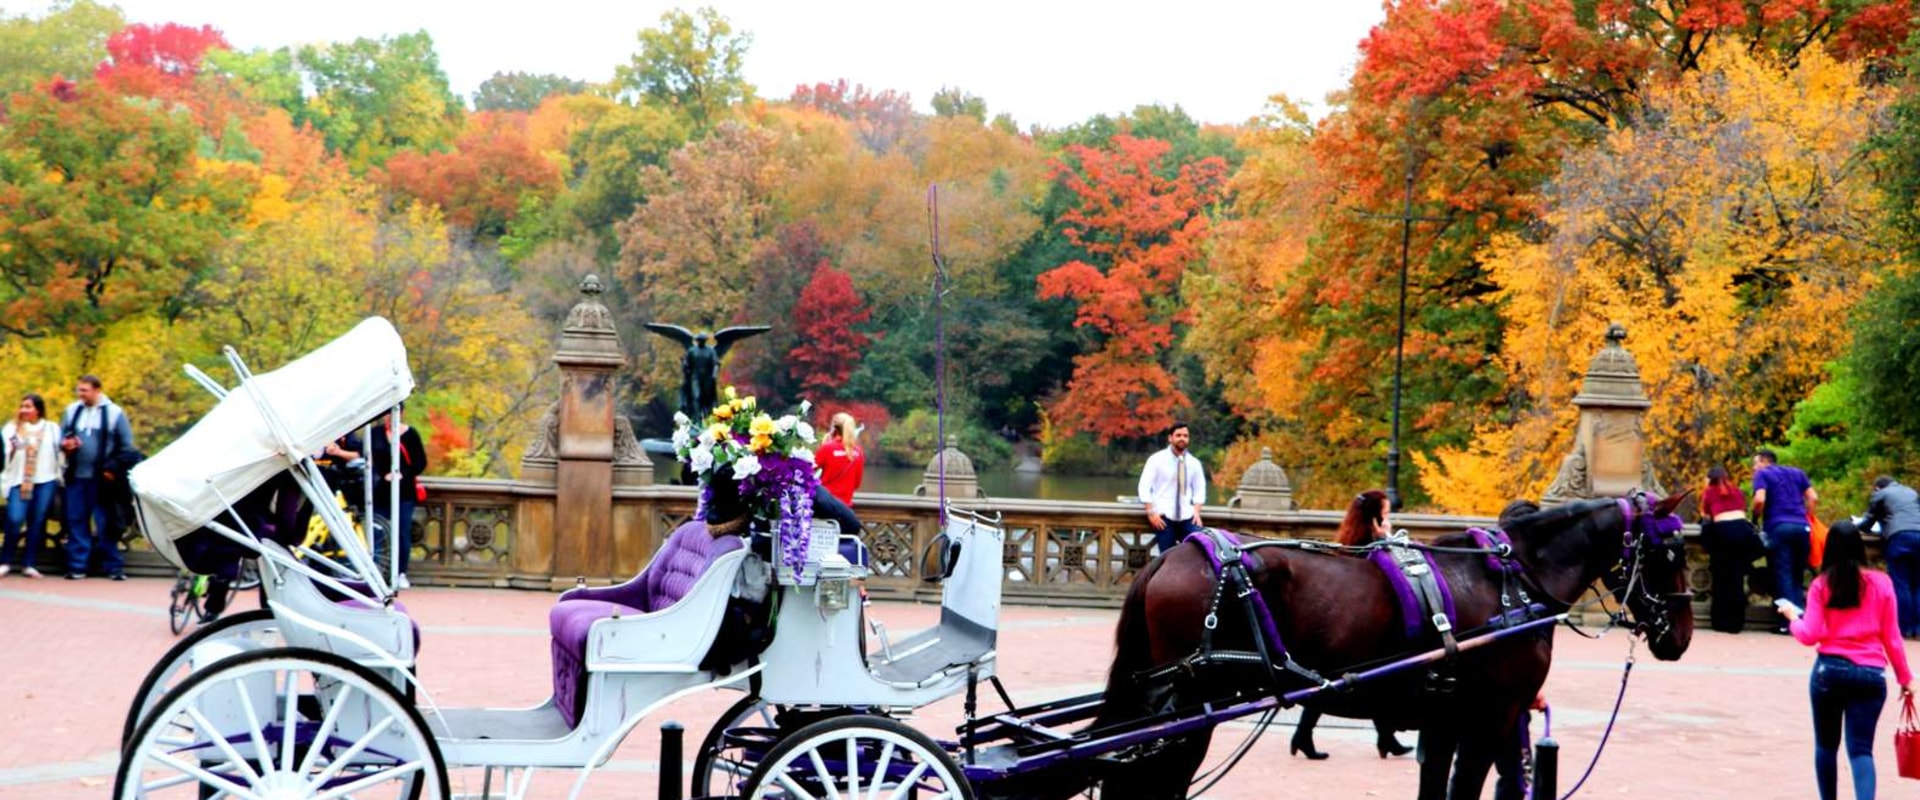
x,y
1729,228
881,119
1142,229
68,41
690,246
480,184
785,263
954,102
825,318
104,212
369,97
691,63
156,60
522,91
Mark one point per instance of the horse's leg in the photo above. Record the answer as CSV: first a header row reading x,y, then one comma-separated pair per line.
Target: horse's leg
x,y
1437,741
1475,757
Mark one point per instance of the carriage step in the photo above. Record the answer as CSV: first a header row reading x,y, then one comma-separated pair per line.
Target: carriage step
x,y
1034,728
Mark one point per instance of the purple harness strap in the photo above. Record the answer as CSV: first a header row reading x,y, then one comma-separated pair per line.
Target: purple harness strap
x,y
1413,613
1263,615
1494,540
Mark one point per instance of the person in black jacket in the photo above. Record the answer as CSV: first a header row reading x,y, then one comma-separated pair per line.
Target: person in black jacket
x,y
413,462
93,430
1895,510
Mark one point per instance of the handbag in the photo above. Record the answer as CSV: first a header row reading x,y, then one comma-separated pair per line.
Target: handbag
x,y
1817,541
1906,741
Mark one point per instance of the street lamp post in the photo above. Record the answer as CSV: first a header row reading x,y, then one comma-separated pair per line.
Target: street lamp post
x,y
1400,342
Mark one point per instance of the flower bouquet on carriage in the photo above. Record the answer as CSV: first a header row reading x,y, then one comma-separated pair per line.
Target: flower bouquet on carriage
x,y
771,461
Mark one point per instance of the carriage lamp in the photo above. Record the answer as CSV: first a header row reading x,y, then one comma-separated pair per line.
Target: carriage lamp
x,y
833,594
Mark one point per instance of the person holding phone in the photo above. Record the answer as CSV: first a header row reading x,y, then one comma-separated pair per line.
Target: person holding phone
x,y
1853,623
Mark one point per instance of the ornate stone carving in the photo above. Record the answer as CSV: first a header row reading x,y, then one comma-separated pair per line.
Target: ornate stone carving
x,y
626,448
589,338
1609,451
546,435
1264,485
590,314
1572,482
962,483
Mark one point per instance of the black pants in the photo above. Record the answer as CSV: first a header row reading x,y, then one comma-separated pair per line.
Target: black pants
x,y
1732,547
826,506
1174,533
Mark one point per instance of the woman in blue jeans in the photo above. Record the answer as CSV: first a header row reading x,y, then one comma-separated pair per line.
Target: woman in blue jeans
x,y
1852,622
32,446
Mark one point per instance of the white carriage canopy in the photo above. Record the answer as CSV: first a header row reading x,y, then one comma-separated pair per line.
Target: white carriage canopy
x,y
233,450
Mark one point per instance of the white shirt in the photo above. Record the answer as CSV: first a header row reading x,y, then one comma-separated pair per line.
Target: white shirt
x,y
1158,485
46,466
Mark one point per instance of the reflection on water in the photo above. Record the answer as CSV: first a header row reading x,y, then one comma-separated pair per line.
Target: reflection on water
x,y
1003,483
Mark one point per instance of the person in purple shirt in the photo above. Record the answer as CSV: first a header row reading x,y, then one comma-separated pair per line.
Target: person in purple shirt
x,y
1783,499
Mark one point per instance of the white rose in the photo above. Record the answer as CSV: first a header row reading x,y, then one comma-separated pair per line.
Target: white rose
x,y
805,406
745,466
785,424
806,432
681,438
680,418
701,459
803,454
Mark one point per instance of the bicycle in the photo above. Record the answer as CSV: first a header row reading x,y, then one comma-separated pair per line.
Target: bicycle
x,y
193,597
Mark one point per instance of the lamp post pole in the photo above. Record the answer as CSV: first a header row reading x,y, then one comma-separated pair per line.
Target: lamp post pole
x,y
1400,342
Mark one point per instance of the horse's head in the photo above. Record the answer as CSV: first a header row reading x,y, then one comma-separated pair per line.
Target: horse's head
x,y
1632,544
1651,578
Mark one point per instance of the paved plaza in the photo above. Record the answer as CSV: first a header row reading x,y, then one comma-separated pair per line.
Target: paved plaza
x,y
1728,722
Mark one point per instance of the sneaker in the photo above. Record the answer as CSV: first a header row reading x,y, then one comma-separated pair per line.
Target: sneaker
x,y
403,583
118,576
32,573
4,569
76,576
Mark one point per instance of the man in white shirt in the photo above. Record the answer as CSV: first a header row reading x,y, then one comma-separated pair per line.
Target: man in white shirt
x,y
1173,486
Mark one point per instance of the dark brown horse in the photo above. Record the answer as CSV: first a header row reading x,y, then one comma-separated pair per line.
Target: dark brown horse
x,y
1334,614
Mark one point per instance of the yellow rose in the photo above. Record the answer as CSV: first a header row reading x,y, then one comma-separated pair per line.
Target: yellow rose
x,y
719,433
723,412
761,442
727,393
762,426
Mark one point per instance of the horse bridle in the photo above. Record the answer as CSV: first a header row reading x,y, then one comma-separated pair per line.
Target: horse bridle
x,y
1648,535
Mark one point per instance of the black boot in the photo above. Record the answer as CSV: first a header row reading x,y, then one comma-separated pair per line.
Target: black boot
x,y
1389,745
1303,736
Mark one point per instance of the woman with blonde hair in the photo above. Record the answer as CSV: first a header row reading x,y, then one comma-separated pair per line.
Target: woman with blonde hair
x,y
32,465
842,463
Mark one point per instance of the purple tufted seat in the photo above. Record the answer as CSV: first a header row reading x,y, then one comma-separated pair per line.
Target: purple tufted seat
x,y
686,556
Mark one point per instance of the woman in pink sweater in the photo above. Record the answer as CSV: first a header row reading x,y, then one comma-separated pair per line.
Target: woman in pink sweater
x,y
1852,622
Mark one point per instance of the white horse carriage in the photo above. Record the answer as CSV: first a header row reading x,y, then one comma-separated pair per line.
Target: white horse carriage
x,y
315,696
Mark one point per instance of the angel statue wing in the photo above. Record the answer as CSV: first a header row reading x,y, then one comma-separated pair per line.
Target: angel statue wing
x,y
674,332
727,336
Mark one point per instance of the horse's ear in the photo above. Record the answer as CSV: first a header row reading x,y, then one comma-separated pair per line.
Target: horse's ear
x,y
1665,507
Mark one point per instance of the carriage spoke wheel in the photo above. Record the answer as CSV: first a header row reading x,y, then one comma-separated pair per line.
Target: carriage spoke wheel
x,y
858,758
244,727
255,627
737,741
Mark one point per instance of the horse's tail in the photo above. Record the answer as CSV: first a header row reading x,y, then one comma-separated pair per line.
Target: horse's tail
x,y
1125,697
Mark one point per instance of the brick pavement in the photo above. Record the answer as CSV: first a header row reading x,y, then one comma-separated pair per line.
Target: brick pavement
x,y
1729,721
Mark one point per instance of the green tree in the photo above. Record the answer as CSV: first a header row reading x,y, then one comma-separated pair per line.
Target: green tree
x,y
522,91
691,63
68,41
955,102
372,97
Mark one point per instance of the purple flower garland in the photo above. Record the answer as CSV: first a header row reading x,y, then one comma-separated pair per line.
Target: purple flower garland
x,y
783,490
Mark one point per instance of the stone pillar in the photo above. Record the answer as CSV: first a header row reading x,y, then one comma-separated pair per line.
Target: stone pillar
x,y
962,483
1609,449
583,429
1264,485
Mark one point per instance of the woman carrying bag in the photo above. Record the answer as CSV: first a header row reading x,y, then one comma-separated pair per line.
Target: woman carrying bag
x,y
1852,622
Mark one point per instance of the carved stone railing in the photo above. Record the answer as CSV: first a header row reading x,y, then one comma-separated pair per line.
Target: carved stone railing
x,y
499,533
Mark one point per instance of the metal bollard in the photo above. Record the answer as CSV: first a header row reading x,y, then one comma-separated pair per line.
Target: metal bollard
x,y
672,740
1546,769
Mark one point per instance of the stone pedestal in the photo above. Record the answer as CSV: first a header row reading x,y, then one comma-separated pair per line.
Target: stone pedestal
x,y
1609,455
962,483
1264,485
577,439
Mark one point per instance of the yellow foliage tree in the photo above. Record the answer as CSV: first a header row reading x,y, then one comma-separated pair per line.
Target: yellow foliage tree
x,y
1729,228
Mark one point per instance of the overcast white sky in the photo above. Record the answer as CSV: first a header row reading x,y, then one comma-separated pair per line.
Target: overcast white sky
x,y
1050,62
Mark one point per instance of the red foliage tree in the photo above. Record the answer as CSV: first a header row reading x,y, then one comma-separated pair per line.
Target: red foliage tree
x,y
880,118
157,60
829,346
1143,228
479,184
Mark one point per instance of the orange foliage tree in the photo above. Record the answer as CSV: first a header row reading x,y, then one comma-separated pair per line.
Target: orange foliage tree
x,y
1143,228
482,182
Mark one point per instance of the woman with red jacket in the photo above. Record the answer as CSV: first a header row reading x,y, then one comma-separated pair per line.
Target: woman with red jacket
x,y
842,463
1732,545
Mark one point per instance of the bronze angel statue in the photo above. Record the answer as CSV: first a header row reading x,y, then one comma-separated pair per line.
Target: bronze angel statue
x,y
700,370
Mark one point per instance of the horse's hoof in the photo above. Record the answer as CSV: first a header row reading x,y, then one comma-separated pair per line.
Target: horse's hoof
x,y
1297,748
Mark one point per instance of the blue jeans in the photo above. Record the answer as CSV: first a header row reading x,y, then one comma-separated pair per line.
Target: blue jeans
x,y
1174,533
1788,547
87,529
1846,696
1903,565
403,527
30,514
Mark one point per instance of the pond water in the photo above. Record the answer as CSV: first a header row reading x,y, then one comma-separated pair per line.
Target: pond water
x,y
1003,483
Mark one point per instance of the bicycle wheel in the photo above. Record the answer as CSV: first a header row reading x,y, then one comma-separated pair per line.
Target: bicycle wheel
x,y
249,576
182,604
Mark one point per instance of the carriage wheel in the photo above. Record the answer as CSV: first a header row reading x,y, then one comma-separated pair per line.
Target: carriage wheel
x,y
742,734
182,605
256,626
846,756
245,727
